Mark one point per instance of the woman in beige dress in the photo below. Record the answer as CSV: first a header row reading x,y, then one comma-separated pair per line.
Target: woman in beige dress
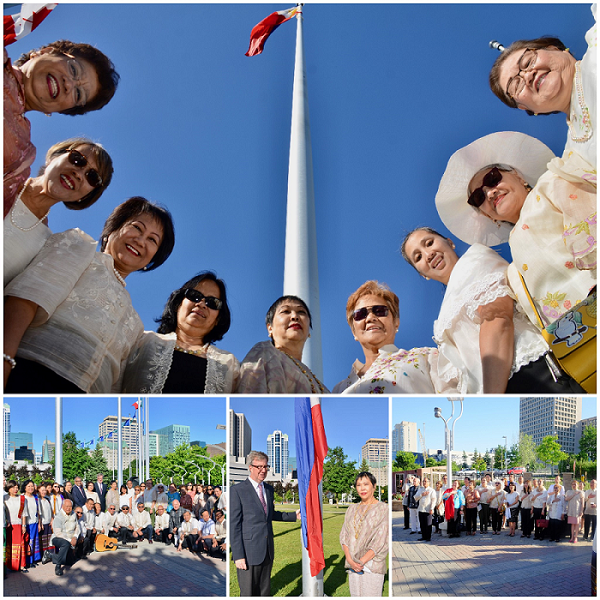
x,y
364,539
575,501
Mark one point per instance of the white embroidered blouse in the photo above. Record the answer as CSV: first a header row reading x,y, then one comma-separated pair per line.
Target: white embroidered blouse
x,y
150,361
478,278
85,325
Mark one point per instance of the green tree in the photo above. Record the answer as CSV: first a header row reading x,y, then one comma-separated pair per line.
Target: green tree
x,y
465,464
549,451
431,462
76,460
488,460
405,461
476,456
364,466
97,464
480,464
527,450
187,463
499,457
513,456
587,443
338,473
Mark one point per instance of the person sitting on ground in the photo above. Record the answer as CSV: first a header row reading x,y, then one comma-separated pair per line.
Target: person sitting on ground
x,y
162,531
109,524
207,532
175,519
124,524
142,524
220,539
64,538
188,537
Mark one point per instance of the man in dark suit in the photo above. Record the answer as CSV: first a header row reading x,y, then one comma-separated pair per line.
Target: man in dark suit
x,y
78,493
251,517
100,489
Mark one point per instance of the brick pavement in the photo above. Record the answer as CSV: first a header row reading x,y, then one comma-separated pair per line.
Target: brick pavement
x,y
487,565
148,570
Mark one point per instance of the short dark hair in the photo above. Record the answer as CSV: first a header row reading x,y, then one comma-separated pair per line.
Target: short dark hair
x,y
25,484
168,320
273,308
10,484
108,78
407,237
368,475
535,44
132,208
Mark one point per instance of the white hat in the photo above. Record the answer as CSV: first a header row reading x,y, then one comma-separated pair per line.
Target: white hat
x,y
526,154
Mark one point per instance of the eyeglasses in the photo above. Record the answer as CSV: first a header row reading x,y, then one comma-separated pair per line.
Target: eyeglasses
x,y
125,508
515,84
79,160
261,467
379,311
490,180
197,297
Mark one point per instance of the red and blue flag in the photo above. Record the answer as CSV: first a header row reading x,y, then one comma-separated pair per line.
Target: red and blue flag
x,y
311,450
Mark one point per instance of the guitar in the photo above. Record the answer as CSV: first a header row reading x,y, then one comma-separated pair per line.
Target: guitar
x,y
104,543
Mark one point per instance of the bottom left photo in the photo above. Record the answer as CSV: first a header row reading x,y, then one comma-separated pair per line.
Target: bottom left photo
x,y
115,496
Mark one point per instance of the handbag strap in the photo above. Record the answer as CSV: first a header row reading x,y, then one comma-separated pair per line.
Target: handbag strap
x,y
537,314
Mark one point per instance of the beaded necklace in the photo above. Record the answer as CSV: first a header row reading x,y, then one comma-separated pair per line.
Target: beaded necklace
x,y
307,372
358,526
119,277
200,352
585,113
12,218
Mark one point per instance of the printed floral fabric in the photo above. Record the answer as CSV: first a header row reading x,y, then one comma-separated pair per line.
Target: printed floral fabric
x,y
19,152
394,371
553,244
478,278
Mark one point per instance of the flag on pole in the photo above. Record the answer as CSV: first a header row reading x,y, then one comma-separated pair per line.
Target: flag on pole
x,y
135,405
109,435
261,32
127,423
101,439
81,445
311,450
17,26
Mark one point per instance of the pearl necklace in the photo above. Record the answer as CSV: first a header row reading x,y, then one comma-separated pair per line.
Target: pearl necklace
x,y
119,277
585,113
200,352
311,378
12,218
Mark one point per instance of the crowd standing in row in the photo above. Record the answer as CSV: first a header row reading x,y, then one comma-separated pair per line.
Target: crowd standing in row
x,y
500,503
51,522
70,326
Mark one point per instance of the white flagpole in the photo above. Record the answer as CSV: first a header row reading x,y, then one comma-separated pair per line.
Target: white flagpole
x,y
119,446
58,445
301,275
147,447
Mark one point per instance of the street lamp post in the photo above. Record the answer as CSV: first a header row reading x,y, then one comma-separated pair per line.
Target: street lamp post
x,y
449,434
505,465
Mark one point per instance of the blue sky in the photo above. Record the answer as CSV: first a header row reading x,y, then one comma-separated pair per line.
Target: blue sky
x,y
84,415
482,425
394,90
348,422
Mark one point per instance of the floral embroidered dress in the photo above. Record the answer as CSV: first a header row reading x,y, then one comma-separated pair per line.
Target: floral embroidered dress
x,y
553,244
582,117
394,371
19,152
478,278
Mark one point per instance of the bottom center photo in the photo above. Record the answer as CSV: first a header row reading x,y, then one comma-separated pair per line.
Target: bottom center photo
x,y
309,496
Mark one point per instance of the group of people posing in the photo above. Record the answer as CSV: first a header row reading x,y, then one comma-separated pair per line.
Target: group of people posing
x,y
498,504
70,326
46,524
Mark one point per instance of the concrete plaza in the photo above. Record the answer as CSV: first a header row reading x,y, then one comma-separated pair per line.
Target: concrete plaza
x,y
148,570
487,565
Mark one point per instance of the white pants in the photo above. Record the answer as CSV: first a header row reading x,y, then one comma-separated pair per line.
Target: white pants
x,y
366,585
414,520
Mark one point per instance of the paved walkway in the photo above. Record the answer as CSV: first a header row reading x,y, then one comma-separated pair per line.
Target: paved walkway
x,y
148,570
487,565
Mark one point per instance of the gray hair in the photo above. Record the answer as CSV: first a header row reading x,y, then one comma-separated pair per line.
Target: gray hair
x,y
256,454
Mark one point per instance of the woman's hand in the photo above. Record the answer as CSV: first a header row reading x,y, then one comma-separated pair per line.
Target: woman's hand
x,y
18,315
355,565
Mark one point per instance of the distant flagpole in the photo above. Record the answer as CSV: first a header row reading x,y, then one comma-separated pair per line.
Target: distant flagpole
x,y
58,445
119,444
301,275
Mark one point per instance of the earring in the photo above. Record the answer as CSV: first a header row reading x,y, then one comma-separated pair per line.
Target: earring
x,y
426,278
48,114
535,114
145,268
309,335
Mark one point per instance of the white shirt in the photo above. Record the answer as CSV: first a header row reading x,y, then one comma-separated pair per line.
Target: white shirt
x,y
141,520
161,521
108,522
149,497
591,503
45,509
32,510
207,527
189,526
427,498
539,498
124,519
162,499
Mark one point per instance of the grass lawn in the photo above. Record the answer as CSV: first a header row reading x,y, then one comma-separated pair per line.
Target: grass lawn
x,y
286,577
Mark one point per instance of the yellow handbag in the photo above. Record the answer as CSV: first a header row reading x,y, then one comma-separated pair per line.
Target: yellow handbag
x,y
572,339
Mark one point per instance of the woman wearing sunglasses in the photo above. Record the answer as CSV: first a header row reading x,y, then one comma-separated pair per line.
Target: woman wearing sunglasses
x,y
76,173
484,344
64,77
69,325
275,366
508,186
373,314
181,357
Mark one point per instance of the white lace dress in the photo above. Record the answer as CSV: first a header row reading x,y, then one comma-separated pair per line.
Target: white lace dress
x,y
478,278
150,362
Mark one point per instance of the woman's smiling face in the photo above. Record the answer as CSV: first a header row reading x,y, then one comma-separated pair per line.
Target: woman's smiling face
x,y
431,254
374,332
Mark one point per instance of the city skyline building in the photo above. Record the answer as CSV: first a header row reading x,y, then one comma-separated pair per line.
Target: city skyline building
x,y
6,438
543,416
107,430
174,436
240,435
404,438
47,451
277,451
376,452
20,439
580,428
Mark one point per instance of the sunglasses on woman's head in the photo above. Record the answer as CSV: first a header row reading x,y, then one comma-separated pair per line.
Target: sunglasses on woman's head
x,y
490,180
79,160
196,297
361,313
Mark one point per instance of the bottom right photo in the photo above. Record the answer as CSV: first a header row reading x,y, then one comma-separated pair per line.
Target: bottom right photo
x,y
494,496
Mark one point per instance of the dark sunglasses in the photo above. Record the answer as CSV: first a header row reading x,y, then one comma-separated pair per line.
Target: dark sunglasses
x,y
196,297
79,160
490,180
379,311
